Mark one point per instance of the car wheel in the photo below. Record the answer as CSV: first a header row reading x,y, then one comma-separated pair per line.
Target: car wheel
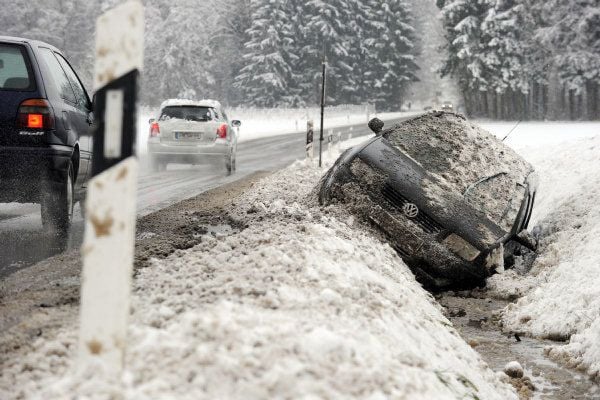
x,y
57,204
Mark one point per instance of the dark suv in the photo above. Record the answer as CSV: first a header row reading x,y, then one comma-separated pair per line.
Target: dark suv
x,y
45,130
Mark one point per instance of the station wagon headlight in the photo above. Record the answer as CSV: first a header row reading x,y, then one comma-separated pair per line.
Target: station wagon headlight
x,y
461,247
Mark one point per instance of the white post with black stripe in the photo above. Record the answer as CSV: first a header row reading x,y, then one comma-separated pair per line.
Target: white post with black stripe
x,y
108,247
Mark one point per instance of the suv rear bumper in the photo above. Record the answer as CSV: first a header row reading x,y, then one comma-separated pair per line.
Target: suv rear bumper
x,y
24,169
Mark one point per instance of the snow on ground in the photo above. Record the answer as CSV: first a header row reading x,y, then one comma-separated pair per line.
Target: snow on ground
x,y
301,304
562,289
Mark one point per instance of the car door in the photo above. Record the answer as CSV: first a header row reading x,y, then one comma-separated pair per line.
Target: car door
x,y
82,119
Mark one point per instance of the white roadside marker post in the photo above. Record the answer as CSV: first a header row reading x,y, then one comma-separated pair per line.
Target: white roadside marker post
x,y
109,240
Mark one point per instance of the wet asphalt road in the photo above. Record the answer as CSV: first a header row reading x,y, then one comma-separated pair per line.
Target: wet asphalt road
x,y
24,243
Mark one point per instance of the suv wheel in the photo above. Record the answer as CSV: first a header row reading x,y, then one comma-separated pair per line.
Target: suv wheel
x,y
57,204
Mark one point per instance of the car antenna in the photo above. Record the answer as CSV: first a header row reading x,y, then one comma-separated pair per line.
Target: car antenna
x,y
512,130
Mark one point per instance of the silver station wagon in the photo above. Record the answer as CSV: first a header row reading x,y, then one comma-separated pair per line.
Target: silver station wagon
x,y
193,132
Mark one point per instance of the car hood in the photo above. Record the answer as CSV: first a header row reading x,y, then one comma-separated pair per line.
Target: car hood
x,y
429,194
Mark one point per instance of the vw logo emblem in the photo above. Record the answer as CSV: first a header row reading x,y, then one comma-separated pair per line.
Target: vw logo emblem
x,y
410,210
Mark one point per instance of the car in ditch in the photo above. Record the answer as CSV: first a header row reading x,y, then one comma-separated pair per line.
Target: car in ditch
x,y
46,127
193,132
444,193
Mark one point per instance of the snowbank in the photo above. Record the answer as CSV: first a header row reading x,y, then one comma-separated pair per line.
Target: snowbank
x,y
562,290
301,304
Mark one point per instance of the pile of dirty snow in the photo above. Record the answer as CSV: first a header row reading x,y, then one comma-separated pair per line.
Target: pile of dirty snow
x,y
562,289
301,304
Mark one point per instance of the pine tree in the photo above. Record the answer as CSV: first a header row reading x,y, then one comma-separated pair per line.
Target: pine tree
x,y
393,64
505,46
267,77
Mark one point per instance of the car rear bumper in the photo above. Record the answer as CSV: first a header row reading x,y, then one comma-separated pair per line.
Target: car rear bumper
x,y
23,169
218,148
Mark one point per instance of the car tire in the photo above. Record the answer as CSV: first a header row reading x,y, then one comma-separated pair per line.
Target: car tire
x,y
57,204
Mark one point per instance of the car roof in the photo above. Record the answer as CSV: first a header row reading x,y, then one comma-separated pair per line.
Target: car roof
x,y
13,39
185,102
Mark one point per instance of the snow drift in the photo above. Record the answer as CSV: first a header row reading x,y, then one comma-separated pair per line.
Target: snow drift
x,y
562,289
300,304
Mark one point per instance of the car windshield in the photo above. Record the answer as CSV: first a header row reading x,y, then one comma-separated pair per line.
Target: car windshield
x,y
498,196
15,73
188,113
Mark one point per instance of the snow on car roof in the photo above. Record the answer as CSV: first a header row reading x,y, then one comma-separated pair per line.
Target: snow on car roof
x,y
186,102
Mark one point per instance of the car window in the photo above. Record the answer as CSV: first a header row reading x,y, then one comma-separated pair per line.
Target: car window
x,y
189,113
80,93
59,77
15,71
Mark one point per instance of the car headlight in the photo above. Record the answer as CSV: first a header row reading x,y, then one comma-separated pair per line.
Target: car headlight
x,y
461,247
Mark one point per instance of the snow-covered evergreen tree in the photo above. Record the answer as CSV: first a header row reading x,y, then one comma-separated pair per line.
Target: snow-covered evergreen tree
x,y
267,77
463,21
391,57
505,46
529,58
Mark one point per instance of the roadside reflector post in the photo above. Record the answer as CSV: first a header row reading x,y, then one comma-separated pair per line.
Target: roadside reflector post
x,y
323,83
310,132
109,240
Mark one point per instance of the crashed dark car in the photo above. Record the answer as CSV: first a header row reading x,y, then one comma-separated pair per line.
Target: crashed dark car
x,y
445,194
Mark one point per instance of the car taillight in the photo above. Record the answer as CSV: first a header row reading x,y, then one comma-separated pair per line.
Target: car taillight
x,y
154,129
222,131
35,114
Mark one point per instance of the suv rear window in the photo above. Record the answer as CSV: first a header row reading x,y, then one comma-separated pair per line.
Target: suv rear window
x,y
15,72
190,113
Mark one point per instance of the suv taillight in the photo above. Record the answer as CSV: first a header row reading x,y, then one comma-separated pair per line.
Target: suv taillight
x,y
35,114
154,129
222,131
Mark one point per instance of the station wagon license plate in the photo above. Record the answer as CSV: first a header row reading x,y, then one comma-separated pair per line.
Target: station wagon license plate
x,y
188,136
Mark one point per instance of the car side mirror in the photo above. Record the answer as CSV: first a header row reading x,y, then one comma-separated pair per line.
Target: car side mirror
x,y
526,239
236,123
376,125
151,121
